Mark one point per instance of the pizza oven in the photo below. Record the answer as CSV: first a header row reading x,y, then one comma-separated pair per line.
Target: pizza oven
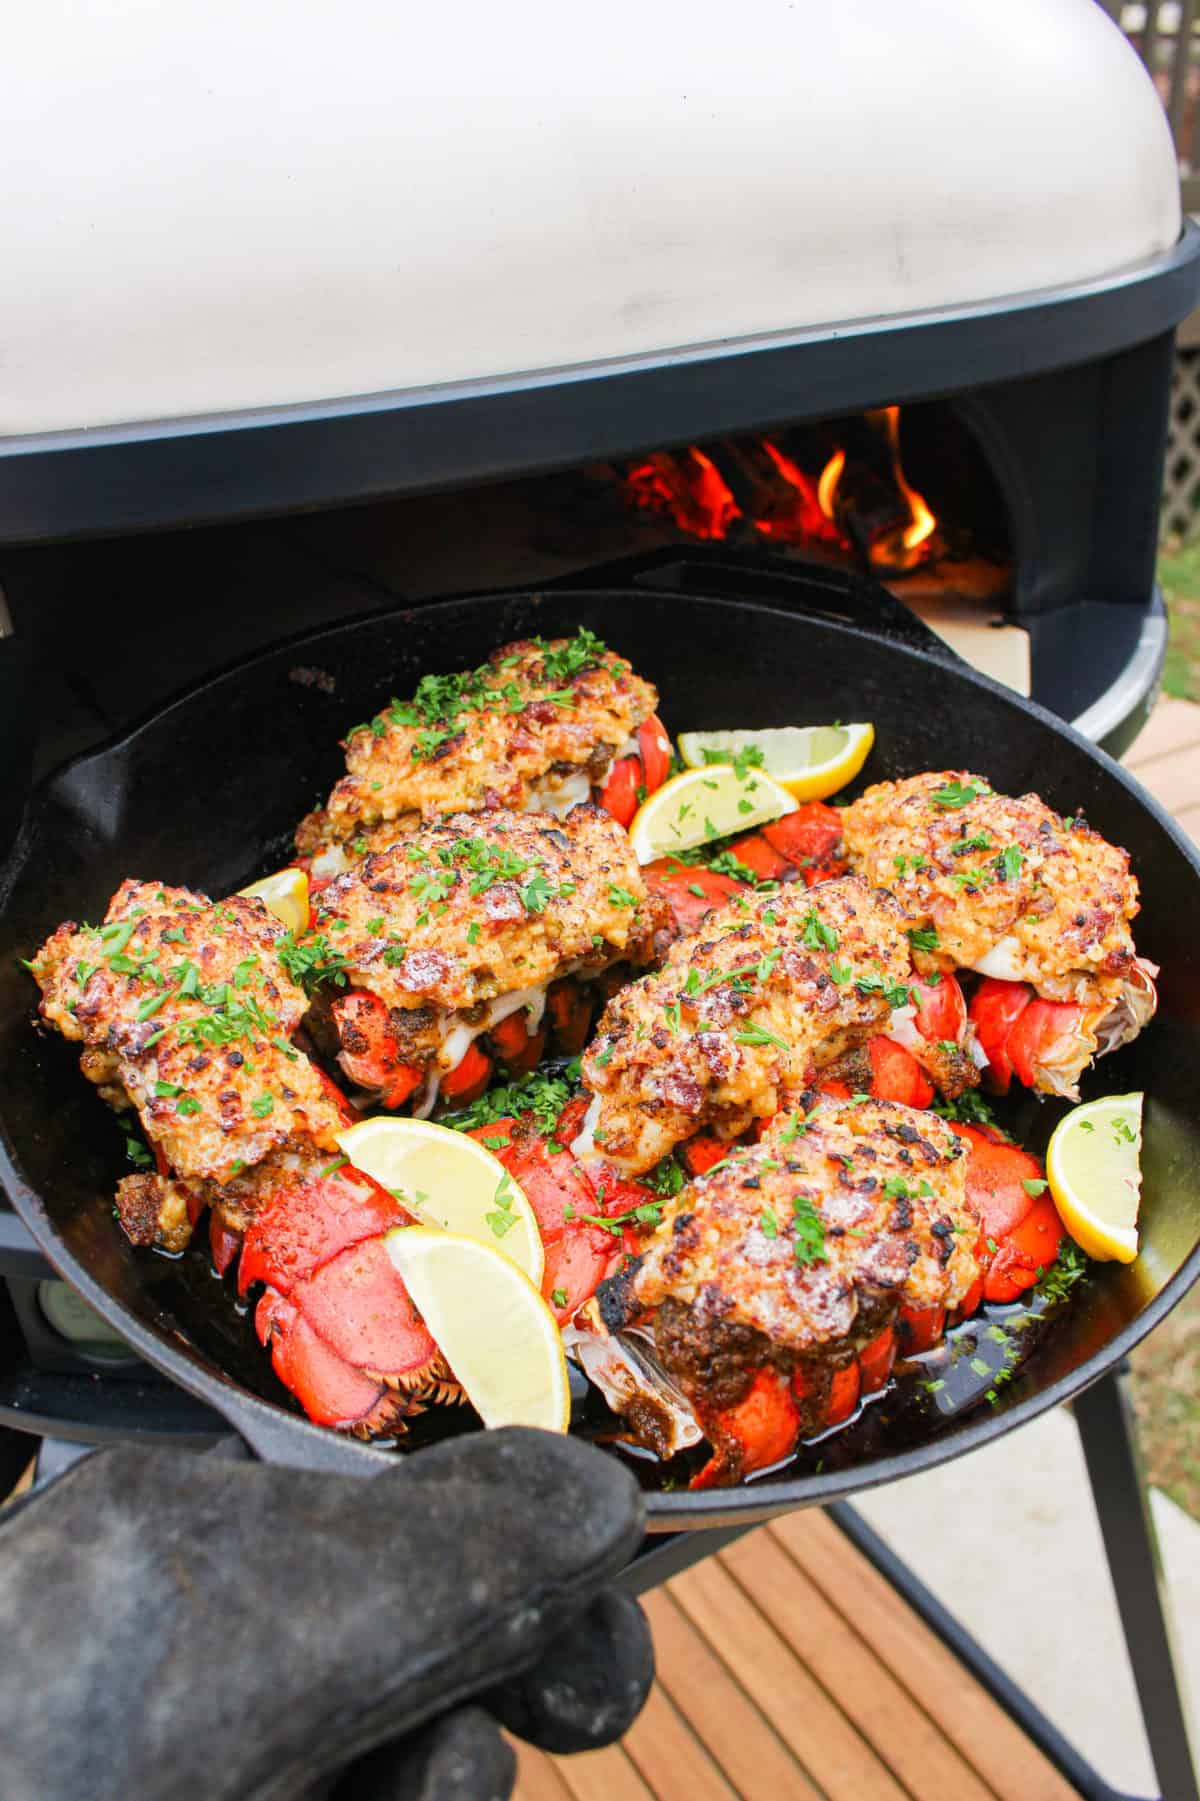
x,y
308,318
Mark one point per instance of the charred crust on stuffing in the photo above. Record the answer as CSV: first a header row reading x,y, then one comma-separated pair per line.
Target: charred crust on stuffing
x,y
139,1203
616,1300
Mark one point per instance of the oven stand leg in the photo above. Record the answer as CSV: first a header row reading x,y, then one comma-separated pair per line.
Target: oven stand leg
x,y
1108,1433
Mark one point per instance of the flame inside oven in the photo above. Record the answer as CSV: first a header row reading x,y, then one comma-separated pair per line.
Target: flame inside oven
x,y
856,500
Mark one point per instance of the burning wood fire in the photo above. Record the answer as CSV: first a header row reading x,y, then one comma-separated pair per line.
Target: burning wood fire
x,y
858,501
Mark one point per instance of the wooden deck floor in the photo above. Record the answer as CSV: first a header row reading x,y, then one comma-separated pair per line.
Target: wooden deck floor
x,y
788,1667
1166,759
790,1670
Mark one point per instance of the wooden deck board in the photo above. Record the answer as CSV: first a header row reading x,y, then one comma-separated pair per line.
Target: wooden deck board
x,y
819,1729
1173,728
1165,758
787,1667
985,1735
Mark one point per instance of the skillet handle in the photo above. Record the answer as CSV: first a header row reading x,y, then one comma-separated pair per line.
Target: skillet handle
x,y
277,1437
843,595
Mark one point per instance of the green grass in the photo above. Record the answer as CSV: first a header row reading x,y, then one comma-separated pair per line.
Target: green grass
x,y
1166,1393
1179,573
1166,1368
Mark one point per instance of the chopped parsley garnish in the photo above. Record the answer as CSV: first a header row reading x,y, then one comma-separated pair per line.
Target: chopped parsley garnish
x,y
768,1223
648,1214
186,1105
1069,1267
1034,1185
758,1035
440,701
666,1178
621,897
808,1232
896,994
559,1296
953,795
312,961
537,892
136,1152
1008,863
923,938
262,1104
969,1109
544,1096
168,1090
115,937
817,935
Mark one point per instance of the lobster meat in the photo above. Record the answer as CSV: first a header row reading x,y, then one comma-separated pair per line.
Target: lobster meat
x,y
1046,1044
344,1336
1039,906
637,773
802,846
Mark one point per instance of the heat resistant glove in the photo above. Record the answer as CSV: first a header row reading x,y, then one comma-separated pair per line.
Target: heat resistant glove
x,y
176,1625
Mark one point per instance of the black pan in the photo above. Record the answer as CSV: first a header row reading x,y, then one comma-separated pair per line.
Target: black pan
x,y
206,792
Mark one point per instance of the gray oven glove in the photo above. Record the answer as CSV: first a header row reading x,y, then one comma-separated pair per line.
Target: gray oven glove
x,y
178,1625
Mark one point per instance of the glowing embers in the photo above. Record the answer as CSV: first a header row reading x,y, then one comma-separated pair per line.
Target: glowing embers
x,y
687,485
854,502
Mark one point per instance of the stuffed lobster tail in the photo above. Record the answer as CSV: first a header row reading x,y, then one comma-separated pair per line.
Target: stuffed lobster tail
x,y
185,1010
775,1298
766,997
1037,905
540,727
770,1299
462,945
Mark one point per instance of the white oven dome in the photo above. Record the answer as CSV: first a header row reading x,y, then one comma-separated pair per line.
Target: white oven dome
x,y
225,206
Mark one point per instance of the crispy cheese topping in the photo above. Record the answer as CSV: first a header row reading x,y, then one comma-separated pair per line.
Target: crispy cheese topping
x,y
769,991
185,1010
1002,885
538,713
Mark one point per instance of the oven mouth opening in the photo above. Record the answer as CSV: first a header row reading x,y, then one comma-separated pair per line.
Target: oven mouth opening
x,y
905,495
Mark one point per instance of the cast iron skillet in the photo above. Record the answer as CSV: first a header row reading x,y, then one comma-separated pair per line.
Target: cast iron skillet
x,y
206,792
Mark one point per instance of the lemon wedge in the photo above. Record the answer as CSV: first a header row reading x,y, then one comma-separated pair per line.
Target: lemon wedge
x,y
1093,1165
702,804
285,894
491,1325
449,1182
810,761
